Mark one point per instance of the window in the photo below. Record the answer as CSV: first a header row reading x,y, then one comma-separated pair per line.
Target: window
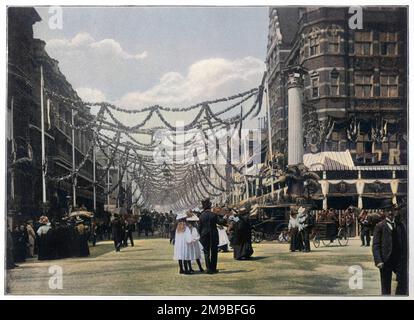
x,y
388,44
363,43
334,41
389,85
315,87
334,83
363,86
314,46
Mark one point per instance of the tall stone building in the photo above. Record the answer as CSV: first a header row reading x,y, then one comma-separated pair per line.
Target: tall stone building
x,y
282,30
338,97
26,56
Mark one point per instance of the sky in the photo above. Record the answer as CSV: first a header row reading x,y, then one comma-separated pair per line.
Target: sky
x,y
174,56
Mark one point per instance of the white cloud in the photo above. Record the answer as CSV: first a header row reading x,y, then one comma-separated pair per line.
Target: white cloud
x,y
206,79
91,95
85,43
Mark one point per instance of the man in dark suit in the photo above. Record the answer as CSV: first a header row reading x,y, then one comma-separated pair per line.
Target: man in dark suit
x,y
209,237
390,250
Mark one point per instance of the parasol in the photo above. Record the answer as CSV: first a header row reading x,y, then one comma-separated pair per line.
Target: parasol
x,y
86,214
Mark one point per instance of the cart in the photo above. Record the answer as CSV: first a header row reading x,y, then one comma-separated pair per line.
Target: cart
x,y
327,233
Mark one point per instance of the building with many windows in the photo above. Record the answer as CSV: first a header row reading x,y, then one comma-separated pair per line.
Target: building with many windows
x,y
338,99
26,57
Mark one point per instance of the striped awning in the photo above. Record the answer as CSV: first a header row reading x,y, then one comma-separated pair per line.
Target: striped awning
x,y
342,160
329,161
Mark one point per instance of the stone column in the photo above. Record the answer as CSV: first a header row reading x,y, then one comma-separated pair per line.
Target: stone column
x,y
295,111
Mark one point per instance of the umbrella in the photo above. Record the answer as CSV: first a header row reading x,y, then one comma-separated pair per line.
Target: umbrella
x,y
86,214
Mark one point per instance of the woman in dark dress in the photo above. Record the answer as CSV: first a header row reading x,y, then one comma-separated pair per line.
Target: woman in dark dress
x,y
20,240
242,238
43,238
82,234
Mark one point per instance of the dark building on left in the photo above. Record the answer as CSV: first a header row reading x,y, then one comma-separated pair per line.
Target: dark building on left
x,y
26,56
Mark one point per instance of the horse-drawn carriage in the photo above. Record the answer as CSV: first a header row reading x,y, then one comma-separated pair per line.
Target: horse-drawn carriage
x,y
269,222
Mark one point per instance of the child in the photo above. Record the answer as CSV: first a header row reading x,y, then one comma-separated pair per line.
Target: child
x,y
194,245
181,247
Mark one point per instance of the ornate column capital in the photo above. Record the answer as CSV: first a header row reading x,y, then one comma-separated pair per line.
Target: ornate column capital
x,y
295,75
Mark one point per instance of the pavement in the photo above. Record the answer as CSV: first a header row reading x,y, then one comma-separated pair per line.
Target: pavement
x,y
148,269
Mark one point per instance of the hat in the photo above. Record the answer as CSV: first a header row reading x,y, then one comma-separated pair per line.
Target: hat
x,y
386,203
44,219
192,218
301,210
181,216
78,220
206,203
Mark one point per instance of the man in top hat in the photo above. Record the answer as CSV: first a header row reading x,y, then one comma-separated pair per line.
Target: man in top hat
x,y
209,237
390,250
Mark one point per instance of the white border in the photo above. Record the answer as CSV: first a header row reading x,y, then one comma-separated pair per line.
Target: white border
x,y
3,41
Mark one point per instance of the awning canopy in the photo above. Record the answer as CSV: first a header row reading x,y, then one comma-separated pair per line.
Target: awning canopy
x,y
342,160
329,161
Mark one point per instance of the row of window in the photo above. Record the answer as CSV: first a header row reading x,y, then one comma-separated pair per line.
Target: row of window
x,y
363,44
81,141
363,85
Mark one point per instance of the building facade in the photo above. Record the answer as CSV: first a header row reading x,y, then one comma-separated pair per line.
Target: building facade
x,y
26,57
344,91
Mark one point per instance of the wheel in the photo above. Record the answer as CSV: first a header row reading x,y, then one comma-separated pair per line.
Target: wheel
x,y
253,236
257,236
326,243
342,237
268,236
316,242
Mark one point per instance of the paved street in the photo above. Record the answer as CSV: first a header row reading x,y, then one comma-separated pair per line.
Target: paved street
x,y
148,269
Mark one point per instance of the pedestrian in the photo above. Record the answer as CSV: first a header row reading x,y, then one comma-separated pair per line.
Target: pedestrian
x,y
82,234
223,239
194,247
20,241
10,263
304,225
365,229
128,233
117,233
293,228
181,244
242,242
31,238
389,249
42,232
209,238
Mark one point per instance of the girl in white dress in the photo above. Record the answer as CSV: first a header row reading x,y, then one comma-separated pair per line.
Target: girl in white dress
x,y
181,246
194,245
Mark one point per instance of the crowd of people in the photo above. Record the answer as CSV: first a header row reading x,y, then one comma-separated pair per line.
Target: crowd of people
x,y
199,236
47,240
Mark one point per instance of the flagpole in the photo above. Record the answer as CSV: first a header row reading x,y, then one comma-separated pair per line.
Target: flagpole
x,y
269,132
42,126
73,160
245,168
94,176
12,146
107,177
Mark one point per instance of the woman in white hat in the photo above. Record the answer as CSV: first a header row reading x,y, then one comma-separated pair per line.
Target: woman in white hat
x,y
181,244
194,245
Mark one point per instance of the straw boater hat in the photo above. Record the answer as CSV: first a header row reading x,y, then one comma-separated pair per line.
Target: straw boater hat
x,y
181,216
192,217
